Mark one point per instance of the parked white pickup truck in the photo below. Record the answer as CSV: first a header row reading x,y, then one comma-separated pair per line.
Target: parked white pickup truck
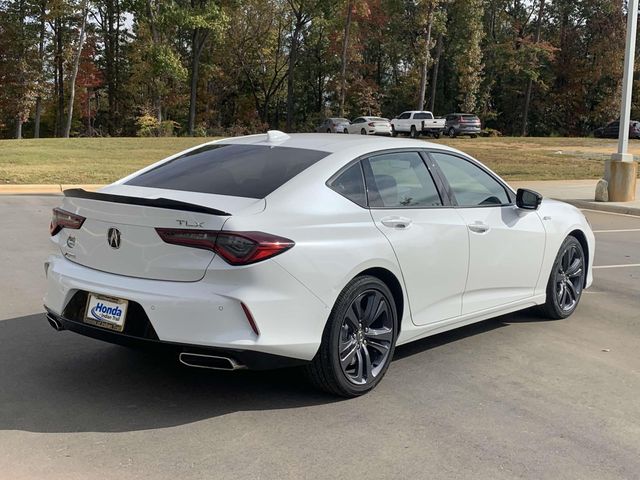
x,y
416,122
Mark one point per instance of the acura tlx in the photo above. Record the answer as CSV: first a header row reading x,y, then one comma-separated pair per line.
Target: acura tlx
x,y
319,250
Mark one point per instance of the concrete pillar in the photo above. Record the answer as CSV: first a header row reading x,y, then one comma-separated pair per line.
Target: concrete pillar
x,y
623,178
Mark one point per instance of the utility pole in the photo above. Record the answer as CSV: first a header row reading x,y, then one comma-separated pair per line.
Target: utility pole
x,y
621,171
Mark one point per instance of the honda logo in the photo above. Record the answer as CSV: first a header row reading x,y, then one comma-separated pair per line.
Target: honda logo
x,y
113,237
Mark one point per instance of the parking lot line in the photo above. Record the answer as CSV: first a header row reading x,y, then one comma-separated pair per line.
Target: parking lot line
x,y
628,265
624,230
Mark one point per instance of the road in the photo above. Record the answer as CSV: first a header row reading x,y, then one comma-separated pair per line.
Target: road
x,y
512,397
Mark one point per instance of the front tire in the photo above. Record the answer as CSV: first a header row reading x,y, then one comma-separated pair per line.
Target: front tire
x,y
358,341
452,132
566,280
394,134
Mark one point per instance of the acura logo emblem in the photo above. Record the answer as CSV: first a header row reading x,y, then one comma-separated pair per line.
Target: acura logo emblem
x,y
113,237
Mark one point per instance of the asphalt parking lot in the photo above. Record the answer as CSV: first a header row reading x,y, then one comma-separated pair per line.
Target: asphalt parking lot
x,y
512,397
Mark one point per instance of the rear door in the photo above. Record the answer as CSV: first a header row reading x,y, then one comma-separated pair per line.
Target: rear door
x,y
506,244
430,240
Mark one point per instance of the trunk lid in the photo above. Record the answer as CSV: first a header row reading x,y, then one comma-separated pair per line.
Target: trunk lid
x,y
119,236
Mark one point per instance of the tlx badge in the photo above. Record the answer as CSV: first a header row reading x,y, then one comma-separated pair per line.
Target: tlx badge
x,y
187,223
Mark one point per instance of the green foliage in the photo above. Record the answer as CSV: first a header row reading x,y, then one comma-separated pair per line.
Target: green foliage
x,y
233,61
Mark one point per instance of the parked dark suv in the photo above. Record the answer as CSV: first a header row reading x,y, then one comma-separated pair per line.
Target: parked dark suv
x,y
612,129
462,124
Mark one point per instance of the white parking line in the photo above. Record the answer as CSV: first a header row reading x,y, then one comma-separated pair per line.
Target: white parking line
x,y
624,230
628,265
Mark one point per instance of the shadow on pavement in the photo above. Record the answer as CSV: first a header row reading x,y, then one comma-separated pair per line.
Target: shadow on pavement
x,y
64,382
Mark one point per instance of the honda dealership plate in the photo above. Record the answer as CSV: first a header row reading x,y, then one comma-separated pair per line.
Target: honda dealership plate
x,y
106,312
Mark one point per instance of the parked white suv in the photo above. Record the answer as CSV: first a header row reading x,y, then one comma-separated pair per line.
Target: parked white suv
x,y
416,122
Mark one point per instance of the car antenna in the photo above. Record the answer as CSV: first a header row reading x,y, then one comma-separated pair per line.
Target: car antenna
x,y
277,136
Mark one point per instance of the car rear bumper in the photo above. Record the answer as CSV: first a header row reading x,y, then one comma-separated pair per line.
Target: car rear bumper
x,y
239,358
208,313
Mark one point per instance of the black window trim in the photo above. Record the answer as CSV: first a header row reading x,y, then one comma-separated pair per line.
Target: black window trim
x,y
435,176
454,203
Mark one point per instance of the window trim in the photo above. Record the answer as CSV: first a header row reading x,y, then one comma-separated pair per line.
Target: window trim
x,y
444,200
337,175
454,202
424,154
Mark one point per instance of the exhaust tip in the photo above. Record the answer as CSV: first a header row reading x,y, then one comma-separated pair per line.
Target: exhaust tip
x,y
55,323
213,362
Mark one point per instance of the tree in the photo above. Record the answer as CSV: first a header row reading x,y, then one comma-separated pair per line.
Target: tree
x,y
72,82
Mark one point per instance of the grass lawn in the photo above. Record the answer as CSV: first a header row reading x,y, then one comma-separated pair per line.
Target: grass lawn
x,y
103,160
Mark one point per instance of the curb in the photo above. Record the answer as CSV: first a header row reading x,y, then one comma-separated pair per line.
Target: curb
x,y
45,189
603,207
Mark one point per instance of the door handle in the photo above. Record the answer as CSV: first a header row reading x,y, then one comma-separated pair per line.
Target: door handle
x,y
396,222
479,227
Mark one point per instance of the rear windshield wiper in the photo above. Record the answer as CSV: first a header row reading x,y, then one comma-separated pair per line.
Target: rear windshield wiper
x,y
146,202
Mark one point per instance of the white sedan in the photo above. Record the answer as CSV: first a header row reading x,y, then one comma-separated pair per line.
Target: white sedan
x,y
273,250
369,126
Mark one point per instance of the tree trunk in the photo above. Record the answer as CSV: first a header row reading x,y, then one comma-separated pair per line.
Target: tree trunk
x,y
293,58
527,96
60,77
425,65
434,76
199,38
38,114
19,127
345,49
74,73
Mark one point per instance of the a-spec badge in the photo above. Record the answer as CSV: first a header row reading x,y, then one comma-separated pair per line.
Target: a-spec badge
x,y
113,237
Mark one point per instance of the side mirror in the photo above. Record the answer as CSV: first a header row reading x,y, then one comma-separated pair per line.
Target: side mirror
x,y
528,199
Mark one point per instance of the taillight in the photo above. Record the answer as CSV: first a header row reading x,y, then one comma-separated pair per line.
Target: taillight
x,y
236,248
371,124
63,219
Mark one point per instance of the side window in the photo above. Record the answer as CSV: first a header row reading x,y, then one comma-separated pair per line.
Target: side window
x,y
397,180
350,184
358,120
404,116
471,185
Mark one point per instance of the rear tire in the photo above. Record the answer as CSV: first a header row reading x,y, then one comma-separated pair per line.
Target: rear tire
x,y
393,132
436,135
413,133
566,281
452,132
346,132
328,130
358,341
363,132
474,136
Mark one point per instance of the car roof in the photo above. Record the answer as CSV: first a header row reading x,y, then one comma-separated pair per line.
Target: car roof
x,y
334,143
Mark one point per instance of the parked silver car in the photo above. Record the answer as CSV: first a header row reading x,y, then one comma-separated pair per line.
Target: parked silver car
x,y
333,125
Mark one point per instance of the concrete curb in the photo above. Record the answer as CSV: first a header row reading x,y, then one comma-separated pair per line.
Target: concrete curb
x,y
50,189
603,207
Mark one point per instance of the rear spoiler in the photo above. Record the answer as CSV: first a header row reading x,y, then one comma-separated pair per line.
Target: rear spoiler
x,y
145,202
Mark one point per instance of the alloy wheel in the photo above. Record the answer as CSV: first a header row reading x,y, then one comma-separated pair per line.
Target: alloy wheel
x,y
569,278
366,337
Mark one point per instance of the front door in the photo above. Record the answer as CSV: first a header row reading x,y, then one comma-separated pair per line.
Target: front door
x,y
506,244
430,240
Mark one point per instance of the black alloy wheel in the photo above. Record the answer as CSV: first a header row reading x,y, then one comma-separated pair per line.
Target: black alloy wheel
x,y
358,341
566,281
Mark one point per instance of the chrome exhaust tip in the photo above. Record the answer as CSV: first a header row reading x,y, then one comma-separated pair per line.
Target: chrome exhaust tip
x,y
55,323
213,362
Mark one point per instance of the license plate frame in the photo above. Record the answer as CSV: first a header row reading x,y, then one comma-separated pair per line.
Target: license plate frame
x,y
107,318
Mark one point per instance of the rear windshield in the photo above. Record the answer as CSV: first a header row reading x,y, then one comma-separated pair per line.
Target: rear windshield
x,y
470,117
252,171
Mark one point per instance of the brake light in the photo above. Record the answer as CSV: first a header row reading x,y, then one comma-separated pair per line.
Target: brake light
x,y
63,219
236,248
371,124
